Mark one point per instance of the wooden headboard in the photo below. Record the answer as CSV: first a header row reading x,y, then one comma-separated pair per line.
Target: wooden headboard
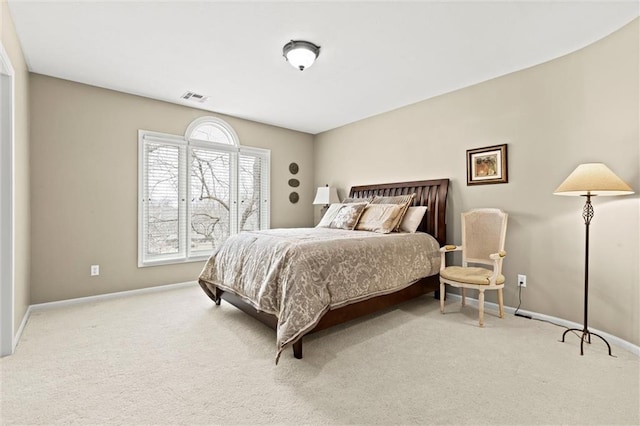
x,y
430,193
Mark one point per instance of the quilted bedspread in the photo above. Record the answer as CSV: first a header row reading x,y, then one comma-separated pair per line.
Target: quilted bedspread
x,y
297,274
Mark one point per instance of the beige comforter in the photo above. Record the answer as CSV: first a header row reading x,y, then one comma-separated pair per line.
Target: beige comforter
x,y
298,274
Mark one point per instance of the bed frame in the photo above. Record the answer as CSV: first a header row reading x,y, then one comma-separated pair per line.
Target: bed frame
x,y
430,193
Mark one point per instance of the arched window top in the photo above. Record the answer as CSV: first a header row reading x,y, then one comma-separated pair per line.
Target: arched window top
x,y
211,129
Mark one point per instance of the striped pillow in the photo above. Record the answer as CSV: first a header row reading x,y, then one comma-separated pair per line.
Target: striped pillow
x,y
404,201
379,218
351,200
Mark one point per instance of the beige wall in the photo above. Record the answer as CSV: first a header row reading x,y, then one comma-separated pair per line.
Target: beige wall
x,y
21,166
84,165
81,168
579,108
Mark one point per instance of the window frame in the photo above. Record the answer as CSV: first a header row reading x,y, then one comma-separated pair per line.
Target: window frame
x,y
185,144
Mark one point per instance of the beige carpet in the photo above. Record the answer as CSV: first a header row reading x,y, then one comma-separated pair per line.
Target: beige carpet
x,y
175,358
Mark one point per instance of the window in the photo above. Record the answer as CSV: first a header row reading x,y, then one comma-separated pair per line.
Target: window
x,y
197,190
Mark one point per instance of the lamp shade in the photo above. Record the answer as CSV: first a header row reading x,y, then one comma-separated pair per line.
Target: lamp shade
x,y
300,54
326,195
593,179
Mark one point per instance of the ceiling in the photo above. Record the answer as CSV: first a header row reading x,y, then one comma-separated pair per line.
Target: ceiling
x,y
375,56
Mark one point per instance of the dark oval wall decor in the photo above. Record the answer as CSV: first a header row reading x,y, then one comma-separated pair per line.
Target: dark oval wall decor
x,y
293,168
294,197
294,183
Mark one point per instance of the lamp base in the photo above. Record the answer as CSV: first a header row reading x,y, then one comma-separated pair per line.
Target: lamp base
x,y
586,336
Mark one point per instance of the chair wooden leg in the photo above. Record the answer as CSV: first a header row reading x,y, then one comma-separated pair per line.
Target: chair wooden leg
x,y
481,307
442,298
501,303
462,293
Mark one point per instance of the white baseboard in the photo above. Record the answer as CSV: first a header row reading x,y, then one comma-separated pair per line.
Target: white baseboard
x,y
108,296
18,334
634,349
89,299
621,343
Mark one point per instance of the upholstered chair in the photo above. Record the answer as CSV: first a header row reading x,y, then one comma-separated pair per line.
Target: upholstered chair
x,y
483,235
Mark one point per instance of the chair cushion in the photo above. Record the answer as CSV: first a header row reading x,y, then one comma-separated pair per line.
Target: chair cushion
x,y
471,275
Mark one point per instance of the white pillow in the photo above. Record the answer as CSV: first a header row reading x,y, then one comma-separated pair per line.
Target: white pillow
x,y
331,213
412,219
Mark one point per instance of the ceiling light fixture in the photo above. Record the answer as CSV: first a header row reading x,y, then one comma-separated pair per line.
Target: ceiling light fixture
x,y
300,54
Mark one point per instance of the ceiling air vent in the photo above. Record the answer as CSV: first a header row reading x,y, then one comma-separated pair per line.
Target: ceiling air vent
x,y
194,97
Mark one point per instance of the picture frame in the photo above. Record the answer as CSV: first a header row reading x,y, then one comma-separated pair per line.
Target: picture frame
x,y
487,165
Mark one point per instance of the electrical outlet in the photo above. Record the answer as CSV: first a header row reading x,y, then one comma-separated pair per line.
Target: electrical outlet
x,y
522,280
95,270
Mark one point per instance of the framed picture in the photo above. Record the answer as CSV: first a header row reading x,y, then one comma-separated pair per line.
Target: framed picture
x,y
487,165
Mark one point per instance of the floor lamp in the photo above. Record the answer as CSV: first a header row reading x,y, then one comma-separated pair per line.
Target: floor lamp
x,y
589,180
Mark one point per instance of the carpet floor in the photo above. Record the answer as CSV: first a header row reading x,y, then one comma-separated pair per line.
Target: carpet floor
x,y
173,357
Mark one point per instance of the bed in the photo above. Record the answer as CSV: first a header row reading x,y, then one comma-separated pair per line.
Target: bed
x,y
317,284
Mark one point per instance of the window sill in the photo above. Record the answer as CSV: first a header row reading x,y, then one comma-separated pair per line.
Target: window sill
x,y
164,262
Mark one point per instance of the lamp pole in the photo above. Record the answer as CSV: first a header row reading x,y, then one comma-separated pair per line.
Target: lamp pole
x,y
587,180
587,215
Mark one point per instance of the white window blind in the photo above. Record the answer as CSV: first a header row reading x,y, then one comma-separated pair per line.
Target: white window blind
x,y
252,182
162,207
194,193
210,211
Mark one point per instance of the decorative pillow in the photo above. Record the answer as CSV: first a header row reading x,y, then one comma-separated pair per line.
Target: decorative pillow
x,y
403,200
347,217
329,215
379,218
351,200
412,219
